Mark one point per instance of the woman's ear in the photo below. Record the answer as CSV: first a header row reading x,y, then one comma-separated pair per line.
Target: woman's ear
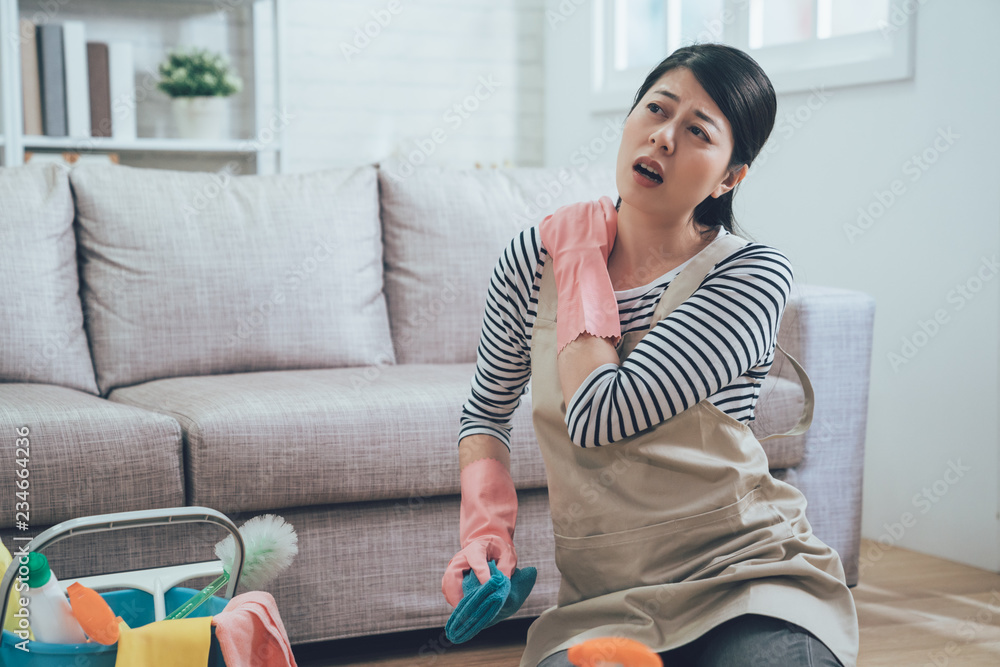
x,y
732,180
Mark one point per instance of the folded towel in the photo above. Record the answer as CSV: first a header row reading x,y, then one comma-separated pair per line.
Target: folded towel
x,y
251,634
182,642
487,604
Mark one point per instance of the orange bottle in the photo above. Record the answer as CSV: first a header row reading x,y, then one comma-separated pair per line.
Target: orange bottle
x,y
93,614
606,651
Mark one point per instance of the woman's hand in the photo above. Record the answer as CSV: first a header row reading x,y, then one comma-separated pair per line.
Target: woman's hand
x,y
581,227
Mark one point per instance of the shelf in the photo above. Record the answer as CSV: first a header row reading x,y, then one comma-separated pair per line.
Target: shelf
x,y
145,144
261,51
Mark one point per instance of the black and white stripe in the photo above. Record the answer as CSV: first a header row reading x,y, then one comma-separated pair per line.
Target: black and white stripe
x,y
719,343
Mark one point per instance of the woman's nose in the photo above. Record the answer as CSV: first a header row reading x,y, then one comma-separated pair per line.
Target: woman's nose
x,y
663,136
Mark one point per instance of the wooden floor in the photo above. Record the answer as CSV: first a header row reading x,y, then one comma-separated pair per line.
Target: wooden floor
x,y
913,610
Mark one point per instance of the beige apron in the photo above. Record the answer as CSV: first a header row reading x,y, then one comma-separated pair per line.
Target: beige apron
x,y
668,533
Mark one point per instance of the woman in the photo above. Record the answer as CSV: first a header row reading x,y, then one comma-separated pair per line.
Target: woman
x,y
669,528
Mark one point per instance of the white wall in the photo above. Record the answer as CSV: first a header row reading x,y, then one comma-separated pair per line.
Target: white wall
x,y
939,407
355,102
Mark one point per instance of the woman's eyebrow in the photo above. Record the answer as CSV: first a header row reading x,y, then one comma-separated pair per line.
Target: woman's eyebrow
x,y
697,112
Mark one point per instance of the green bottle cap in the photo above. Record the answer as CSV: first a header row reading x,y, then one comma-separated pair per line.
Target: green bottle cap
x,y
38,570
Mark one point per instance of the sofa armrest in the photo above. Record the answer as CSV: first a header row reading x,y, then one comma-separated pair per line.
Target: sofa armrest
x,y
829,331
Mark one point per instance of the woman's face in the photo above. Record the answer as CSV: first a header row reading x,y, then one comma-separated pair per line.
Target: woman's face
x,y
692,152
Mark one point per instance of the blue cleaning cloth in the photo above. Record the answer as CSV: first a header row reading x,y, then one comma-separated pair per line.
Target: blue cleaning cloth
x,y
480,604
485,604
521,583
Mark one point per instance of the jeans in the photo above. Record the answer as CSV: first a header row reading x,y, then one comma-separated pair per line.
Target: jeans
x,y
750,640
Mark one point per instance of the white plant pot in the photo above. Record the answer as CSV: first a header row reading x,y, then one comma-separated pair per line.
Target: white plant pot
x,y
201,117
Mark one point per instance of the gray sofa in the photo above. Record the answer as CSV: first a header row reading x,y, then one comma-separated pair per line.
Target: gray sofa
x,y
302,344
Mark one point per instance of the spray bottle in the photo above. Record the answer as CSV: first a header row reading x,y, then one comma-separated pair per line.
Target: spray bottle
x,y
49,610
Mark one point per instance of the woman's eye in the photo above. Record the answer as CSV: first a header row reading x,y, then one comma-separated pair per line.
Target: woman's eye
x,y
654,107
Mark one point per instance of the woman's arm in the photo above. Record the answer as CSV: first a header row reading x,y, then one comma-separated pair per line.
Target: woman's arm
x,y
482,446
722,331
579,359
503,364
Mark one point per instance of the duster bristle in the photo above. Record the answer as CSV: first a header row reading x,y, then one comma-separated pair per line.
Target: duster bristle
x,y
270,545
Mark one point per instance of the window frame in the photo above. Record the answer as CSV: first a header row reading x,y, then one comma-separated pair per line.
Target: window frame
x,y
876,56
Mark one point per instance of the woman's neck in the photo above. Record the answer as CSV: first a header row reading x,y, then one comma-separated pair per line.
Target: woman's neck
x,y
646,248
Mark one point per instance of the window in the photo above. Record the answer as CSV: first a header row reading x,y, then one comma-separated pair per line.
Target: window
x,y
632,36
801,44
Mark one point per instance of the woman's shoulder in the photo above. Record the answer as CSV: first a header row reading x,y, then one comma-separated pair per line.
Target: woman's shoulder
x,y
755,267
519,266
754,256
525,249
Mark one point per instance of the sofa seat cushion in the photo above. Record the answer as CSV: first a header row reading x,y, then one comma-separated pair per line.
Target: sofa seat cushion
x,y
41,321
258,441
188,273
86,455
267,440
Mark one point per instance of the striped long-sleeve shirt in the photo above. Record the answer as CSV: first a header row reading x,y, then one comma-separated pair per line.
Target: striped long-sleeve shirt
x,y
718,344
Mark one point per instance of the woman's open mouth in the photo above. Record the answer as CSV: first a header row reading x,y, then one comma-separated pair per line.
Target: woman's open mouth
x,y
645,176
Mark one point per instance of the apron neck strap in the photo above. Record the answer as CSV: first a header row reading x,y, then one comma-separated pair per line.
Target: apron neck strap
x,y
691,277
805,419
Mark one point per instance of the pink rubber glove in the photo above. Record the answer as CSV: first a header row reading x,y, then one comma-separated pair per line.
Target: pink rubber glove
x,y
579,238
486,526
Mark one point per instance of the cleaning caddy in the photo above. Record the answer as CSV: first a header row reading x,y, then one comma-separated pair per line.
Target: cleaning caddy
x,y
153,612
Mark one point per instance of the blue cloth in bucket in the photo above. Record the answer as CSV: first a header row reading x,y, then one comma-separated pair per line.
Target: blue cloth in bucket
x,y
486,604
135,607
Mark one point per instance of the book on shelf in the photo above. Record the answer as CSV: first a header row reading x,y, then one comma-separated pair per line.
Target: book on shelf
x,y
121,84
77,79
100,93
52,78
74,88
30,91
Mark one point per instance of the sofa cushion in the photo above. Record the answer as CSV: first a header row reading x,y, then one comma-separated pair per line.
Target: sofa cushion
x,y
257,441
189,273
289,438
444,229
86,455
41,322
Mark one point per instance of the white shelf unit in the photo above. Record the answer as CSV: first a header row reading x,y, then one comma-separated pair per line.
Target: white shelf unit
x,y
261,65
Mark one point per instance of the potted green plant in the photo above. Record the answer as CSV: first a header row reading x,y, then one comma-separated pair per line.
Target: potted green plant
x,y
198,81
